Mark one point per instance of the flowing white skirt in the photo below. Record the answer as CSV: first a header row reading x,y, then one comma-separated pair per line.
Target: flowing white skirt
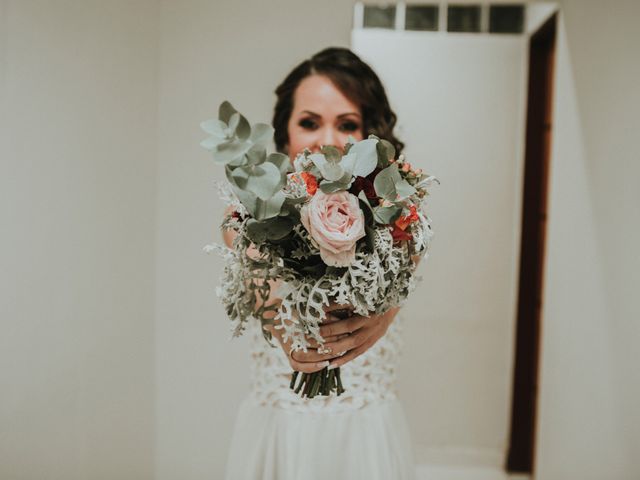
x,y
271,443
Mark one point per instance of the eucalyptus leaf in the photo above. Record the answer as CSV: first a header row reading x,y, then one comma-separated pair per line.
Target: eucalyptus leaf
x,y
386,150
261,134
214,127
269,208
257,208
348,163
318,160
225,111
350,141
290,211
387,215
275,228
255,231
248,199
233,122
243,130
404,189
256,155
211,142
331,153
264,180
331,171
367,157
227,152
346,179
281,161
385,182
331,187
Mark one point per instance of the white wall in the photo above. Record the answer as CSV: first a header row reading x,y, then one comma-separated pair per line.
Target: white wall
x,y
212,51
589,425
460,101
97,96
78,158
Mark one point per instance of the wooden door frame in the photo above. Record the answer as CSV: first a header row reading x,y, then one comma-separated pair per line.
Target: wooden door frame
x,y
521,454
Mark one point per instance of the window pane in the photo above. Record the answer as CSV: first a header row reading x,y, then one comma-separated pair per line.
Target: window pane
x,y
421,17
463,18
379,17
506,18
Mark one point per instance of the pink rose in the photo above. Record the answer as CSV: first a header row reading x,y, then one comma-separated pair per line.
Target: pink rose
x,y
335,222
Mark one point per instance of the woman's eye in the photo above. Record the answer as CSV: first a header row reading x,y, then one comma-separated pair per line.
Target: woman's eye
x,y
349,127
308,124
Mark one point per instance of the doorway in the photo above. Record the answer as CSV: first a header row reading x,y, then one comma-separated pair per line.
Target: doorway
x,y
520,458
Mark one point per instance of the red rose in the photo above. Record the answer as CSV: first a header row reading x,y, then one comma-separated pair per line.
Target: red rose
x,y
366,184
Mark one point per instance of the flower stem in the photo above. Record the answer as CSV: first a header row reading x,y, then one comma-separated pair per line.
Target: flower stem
x,y
322,382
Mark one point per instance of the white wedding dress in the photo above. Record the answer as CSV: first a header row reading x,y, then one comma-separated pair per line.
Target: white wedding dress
x,y
361,434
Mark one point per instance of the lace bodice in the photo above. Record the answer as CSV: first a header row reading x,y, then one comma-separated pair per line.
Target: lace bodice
x,y
369,378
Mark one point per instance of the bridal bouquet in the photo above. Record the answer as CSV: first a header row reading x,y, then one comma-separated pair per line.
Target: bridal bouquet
x,y
342,227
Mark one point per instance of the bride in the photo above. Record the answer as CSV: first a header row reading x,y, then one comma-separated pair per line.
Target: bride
x,y
361,434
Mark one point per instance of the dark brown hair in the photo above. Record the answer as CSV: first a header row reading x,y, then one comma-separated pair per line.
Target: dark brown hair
x,y
354,78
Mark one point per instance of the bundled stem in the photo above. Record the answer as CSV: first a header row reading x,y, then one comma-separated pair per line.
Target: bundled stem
x,y
322,382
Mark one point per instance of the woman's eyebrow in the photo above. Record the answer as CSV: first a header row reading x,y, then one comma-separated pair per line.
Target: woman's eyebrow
x,y
313,114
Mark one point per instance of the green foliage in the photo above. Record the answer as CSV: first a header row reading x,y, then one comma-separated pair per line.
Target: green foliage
x,y
390,186
338,171
386,152
387,215
255,177
272,229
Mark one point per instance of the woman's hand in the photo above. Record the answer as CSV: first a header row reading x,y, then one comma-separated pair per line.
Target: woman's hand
x,y
345,339
361,334
311,361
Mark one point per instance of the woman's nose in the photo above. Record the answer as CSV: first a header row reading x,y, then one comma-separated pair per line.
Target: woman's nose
x,y
327,137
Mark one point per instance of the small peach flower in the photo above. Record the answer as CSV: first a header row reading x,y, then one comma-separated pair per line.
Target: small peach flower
x,y
311,182
405,220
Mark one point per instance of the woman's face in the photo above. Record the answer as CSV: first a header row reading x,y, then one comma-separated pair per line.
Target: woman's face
x,y
321,115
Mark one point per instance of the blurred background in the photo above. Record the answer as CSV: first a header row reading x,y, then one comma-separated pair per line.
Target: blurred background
x,y
114,350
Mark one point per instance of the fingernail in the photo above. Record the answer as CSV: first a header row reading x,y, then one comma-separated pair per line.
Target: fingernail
x,y
323,364
331,367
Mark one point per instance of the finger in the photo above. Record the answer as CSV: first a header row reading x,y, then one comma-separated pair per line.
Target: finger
x,y
308,367
348,325
350,355
313,343
354,340
313,356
